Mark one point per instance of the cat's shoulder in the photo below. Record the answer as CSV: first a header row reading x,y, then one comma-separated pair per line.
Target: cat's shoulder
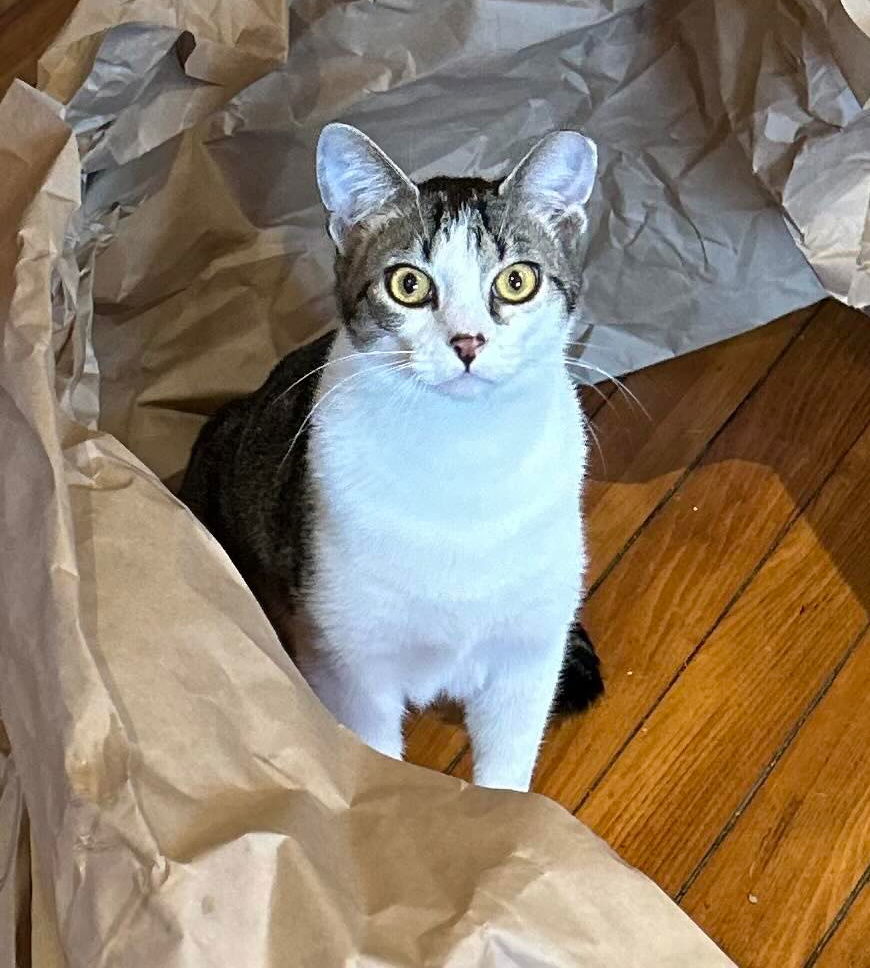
x,y
305,361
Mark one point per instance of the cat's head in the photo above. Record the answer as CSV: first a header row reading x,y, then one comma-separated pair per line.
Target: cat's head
x,y
475,281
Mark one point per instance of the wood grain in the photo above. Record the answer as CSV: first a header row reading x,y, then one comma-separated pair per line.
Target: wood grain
x,y
805,837
669,589
664,801
645,454
849,944
434,742
26,29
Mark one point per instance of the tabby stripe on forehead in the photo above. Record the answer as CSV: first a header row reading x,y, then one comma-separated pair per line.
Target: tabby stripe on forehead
x,y
438,208
483,211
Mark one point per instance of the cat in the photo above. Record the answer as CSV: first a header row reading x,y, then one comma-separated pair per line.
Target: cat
x,y
403,495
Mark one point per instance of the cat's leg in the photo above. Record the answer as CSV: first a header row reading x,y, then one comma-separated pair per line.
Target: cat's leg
x,y
506,718
363,698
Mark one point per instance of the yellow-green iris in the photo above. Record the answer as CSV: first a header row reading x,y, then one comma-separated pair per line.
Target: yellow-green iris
x,y
517,283
409,286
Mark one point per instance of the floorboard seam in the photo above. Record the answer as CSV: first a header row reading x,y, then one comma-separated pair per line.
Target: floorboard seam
x,y
839,917
770,766
600,403
793,518
690,468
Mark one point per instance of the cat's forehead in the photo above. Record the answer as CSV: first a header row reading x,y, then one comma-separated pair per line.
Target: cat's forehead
x,y
460,215
469,214
445,200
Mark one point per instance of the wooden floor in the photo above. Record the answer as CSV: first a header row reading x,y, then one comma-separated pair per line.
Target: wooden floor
x,y
728,597
26,28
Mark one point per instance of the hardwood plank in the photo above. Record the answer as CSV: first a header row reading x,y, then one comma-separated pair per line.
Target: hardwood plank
x,y
802,843
848,946
26,29
663,802
687,400
669,589
433,742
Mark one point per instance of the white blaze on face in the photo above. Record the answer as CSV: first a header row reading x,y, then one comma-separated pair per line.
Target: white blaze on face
x,y
463,306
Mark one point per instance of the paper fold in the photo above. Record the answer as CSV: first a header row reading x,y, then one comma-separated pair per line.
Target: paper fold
x,y
189,802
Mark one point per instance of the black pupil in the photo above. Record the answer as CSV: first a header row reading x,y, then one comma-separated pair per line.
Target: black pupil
x,y
515,281
410,283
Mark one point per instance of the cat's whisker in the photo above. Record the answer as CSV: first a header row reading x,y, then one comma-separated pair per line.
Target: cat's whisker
x,y
591,429
586,345
380,367
318,369
416,388
340,359
628,394
403,395
604,397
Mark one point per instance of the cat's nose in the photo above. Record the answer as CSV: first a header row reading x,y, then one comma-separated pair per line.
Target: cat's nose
x,y
467,347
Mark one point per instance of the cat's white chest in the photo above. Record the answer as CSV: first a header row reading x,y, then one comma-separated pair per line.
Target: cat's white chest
x,y
445,528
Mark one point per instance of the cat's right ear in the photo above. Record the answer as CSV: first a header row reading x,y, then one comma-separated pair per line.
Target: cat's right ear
x,y
356,180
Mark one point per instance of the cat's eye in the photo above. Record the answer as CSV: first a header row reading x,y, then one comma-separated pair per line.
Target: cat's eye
x,y
409,286
517,283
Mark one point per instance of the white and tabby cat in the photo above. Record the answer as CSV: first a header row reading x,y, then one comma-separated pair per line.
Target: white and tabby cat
x,y
404,495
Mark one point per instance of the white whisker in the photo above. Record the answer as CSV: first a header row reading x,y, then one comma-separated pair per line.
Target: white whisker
x,y
591,430
366,370
604,397
403,395
340,359
588,346
609,376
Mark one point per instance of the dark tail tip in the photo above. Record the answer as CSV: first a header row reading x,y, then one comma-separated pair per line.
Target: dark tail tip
x,y
580,683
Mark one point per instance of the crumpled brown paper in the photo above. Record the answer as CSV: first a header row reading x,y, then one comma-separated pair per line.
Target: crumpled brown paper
x,y
755,141
189,801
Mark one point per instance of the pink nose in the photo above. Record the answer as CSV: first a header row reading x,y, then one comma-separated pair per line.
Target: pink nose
x,y
467,347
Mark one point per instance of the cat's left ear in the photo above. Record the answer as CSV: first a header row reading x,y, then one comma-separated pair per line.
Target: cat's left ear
x,y
555,179
357,180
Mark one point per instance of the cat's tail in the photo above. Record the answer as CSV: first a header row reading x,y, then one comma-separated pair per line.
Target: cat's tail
x,y
580,682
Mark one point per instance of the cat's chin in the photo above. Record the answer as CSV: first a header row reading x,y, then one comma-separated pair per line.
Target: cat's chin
x,y
466,386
